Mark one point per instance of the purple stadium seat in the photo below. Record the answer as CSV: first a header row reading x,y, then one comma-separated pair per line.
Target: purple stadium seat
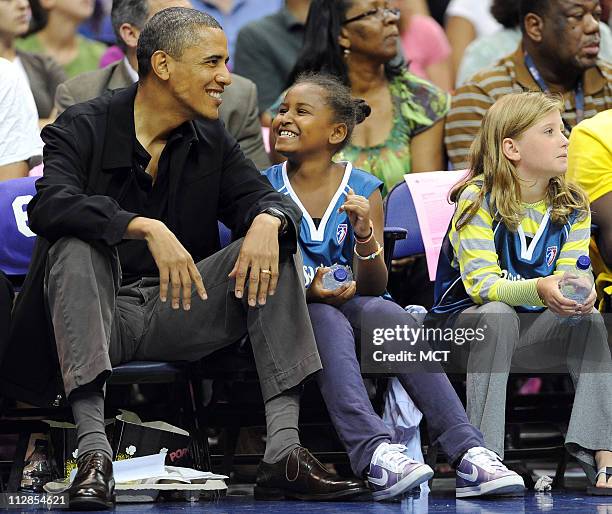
x,y
16,238
400,212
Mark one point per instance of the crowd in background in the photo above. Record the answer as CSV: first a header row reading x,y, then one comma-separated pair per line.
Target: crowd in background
x,y
444,43
429,70
452,60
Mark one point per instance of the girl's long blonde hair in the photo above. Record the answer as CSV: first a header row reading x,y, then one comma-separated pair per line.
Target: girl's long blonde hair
x,y
510,117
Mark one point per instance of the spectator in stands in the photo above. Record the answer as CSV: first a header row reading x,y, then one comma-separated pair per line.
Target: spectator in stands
x,y
425,46
59,37
235,14
20,144
558,53
342,216
486,50
590,166
467,20
112,54
518,225
267,49
239,108
42,73
99,26
128,204
356,41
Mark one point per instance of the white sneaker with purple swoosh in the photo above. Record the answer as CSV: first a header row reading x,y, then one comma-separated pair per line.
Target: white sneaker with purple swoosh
x,y
392,472
481,473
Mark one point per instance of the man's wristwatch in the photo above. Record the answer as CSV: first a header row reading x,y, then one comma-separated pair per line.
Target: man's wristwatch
x,y
277,213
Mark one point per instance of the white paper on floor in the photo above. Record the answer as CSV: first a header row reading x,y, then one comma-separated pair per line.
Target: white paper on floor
x,y
150,469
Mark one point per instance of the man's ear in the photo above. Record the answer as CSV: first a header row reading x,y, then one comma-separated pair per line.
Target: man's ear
x,y
129,34
160,64
338,134
534,27
511,150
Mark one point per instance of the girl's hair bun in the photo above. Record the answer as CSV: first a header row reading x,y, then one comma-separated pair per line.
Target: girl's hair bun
x,y
362,110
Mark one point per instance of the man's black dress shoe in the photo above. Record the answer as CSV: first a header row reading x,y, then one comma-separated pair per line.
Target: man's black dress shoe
x,y
93,487
299,476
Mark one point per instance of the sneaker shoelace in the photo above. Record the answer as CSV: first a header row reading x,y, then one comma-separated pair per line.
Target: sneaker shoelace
x,y
393,455
486,459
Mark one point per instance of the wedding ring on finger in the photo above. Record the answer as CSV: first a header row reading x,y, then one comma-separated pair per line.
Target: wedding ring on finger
x,y
266,271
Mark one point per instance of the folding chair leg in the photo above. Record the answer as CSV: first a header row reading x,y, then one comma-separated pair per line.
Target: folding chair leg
x,y
200,436
199,451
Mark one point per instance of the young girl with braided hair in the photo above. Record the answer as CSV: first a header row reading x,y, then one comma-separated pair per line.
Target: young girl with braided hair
x,y
343,224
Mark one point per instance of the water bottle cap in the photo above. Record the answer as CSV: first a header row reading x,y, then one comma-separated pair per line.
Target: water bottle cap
x,y
340,275
583,262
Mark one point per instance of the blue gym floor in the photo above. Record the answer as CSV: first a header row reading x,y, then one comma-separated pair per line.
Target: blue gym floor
x,y
531,503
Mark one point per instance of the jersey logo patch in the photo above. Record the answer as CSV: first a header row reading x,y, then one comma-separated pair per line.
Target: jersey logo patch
x,y
551,253
341,232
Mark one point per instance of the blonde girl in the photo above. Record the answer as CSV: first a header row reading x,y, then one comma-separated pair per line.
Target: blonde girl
x,y
518,225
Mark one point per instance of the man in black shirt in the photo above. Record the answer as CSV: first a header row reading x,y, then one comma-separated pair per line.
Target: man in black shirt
x,y
126,215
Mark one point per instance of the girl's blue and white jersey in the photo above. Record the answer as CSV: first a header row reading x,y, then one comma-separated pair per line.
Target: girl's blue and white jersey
x,y
333,240
474,262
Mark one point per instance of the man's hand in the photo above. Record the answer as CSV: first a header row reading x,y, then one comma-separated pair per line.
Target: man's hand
x,y
548,289
175,264
316,293
259,260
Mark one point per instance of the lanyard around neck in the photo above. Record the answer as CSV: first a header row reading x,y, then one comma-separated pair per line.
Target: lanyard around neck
x,y
579,92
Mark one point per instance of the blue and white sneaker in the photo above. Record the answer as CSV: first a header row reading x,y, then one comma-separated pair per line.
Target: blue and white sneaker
x,y
481,472
392,472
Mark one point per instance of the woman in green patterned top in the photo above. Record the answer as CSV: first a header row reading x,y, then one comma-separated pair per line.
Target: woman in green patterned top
x,y
357,40
59,38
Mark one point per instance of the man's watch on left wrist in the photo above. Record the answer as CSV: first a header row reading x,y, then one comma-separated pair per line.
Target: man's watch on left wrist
x,y
277,213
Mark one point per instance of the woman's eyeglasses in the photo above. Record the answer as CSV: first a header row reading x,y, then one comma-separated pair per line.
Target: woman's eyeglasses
x,y
377,12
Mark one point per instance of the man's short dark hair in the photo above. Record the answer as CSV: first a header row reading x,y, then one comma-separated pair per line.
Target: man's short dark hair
x,y
170,30
539,7
134,12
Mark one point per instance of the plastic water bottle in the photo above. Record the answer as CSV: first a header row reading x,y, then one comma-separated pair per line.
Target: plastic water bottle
x,y
577,284
337,276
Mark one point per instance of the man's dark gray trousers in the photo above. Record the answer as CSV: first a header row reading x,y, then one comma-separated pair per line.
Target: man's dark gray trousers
x,y
99,324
